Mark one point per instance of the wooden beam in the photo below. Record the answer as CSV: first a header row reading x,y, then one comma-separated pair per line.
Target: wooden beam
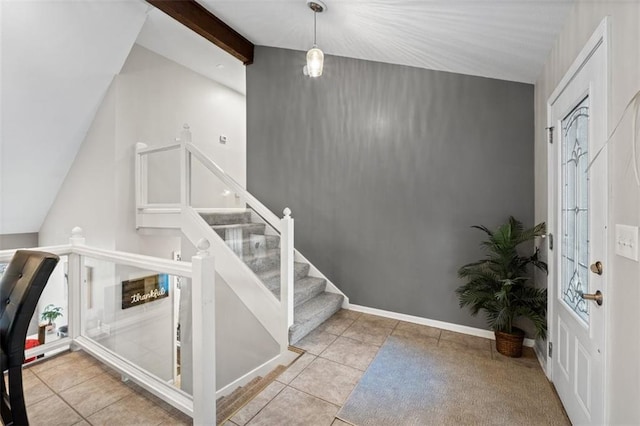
x,y
195,17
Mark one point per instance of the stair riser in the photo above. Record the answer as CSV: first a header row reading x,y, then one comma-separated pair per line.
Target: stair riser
x,y
300,270
297,332
300,296
262,264
226,218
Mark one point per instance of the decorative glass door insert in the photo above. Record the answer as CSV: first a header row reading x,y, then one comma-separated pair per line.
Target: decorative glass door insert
x,y
575,214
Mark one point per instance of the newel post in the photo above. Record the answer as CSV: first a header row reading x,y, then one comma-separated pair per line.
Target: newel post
x,y
185,166
75,280
204,337
286,275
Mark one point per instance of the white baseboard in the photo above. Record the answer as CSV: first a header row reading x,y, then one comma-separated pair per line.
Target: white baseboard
x,y
285,358
542,359
472,331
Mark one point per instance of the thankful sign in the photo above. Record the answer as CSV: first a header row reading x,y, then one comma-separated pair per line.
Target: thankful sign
x,y
144,290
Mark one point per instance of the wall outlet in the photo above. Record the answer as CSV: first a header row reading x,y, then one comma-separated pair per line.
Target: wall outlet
x,y
627,241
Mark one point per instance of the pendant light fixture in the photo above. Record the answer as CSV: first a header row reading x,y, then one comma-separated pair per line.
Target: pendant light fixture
x,y
315,57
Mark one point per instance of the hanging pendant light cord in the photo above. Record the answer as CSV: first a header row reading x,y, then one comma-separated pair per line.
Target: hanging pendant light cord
x,y
314,27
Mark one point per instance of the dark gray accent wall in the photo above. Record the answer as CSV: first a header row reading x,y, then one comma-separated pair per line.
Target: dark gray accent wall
x,y
385,168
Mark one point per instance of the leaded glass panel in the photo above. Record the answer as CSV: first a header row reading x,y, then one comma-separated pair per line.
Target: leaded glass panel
x,y
575,214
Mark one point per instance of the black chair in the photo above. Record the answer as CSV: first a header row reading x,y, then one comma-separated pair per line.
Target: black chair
x,y
20,288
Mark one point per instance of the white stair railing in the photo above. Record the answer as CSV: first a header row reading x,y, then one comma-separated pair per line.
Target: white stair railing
x,y
201,271
162,215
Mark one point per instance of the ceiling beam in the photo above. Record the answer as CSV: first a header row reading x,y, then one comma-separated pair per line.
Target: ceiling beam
x,y
195,17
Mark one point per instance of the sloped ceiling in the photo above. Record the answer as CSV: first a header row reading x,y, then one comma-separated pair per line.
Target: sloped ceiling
x,y
58,59
503,39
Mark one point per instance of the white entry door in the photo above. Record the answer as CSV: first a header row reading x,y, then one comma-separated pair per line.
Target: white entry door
x,y
578,222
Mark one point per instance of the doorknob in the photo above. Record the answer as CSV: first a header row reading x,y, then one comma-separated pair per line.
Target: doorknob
x,y
596,268
596,297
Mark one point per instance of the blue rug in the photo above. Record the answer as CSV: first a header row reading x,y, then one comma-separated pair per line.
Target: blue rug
x,y
411,382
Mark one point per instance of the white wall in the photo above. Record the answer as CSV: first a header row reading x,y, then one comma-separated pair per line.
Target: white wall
x,y
623,293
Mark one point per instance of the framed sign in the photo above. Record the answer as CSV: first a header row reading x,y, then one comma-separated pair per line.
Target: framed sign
x,y
144,290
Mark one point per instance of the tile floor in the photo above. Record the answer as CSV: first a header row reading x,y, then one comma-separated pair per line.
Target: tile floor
x,y
75,389
310,392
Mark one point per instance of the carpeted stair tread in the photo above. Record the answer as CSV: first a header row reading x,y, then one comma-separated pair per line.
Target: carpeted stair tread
x,y
246,228
304,289
271,278
245,394
262,262
226,218
312,313
307,288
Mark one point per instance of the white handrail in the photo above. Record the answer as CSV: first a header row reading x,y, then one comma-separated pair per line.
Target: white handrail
x,y
155,149
255,204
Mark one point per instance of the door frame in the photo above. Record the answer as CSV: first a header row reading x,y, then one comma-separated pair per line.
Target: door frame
x,y
599,40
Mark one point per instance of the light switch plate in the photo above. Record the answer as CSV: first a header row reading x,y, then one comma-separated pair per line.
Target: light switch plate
x,y
627,241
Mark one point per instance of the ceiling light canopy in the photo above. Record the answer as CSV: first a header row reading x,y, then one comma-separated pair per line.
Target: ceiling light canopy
x,y
315,56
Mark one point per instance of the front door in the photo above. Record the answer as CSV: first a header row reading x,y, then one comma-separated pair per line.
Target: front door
x,y
578,223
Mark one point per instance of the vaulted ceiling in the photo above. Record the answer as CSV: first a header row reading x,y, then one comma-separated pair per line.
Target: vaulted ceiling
x,y
504,39
59,57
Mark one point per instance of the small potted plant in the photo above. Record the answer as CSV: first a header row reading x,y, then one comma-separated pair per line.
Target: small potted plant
x,y
50,314
500,285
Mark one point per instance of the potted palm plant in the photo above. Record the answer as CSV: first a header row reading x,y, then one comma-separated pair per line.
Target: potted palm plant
x,y
50,314
500,285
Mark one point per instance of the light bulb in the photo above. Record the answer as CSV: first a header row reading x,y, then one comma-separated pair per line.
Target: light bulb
x,y
315,60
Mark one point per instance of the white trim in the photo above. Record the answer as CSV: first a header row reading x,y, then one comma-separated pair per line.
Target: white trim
x,y
6,255
156,264
542,358
464,329
598,37
283,359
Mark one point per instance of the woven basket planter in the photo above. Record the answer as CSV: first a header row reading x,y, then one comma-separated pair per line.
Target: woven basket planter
x,y
510,344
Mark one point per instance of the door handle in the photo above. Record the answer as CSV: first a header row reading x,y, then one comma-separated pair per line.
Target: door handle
x,y
596,268
596,297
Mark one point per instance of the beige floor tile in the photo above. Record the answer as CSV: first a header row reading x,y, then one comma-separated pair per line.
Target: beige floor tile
x,y
247,412
351,352
316,342
416,331
455,347
178,419
82,423
378,321
337,324
52,411
295,408
132,410
338,422
229,423
68,374
367,332
466,340
327,380
48,363
33,388
294,369
102,389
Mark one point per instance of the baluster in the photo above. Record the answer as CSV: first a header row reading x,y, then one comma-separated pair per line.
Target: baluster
x,y
141,177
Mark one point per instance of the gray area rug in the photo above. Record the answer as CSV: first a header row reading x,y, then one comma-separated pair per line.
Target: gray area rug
x,y
412,382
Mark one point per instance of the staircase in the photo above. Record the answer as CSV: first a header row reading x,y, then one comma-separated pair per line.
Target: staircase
x,y
260,251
